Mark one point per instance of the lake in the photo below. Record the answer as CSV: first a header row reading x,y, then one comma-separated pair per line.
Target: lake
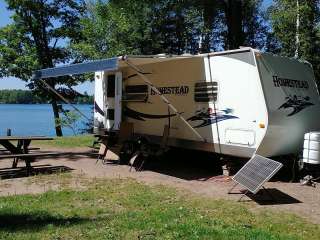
x,y
35,119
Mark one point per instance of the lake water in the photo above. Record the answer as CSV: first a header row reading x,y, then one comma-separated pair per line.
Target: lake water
x,y
35,119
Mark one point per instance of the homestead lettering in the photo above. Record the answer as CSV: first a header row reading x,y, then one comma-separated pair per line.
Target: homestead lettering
x,y
179,90
285,82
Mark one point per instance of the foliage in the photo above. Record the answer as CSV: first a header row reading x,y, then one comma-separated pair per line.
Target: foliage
x,y
283,15
125,209
38,38
115,28
254,24
69,119
27,97
18,97
88,124
83,99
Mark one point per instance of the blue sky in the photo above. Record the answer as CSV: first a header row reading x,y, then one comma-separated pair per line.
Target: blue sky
x,y
13,83
267,3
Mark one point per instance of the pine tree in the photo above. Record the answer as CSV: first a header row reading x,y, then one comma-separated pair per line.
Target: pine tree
x,y
233,11
254,26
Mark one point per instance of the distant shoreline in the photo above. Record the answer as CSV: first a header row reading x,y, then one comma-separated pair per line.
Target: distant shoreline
x,y
27,97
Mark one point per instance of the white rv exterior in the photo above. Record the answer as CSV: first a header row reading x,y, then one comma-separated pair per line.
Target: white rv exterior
x,y
241,102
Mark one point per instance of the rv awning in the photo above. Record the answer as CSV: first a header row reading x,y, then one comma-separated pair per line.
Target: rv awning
x,y
74,69
110,64
149,59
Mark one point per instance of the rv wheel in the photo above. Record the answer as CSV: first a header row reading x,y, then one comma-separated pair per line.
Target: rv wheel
x,y
126,152
300,164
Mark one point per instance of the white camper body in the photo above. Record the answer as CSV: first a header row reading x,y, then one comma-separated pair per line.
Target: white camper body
x,y
240,102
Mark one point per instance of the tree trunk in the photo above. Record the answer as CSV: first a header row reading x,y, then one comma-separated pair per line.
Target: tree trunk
x,y
208,7
56,116
234,18
296,54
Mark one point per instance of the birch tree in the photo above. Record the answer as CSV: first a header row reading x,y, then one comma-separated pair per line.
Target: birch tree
x,y
296,27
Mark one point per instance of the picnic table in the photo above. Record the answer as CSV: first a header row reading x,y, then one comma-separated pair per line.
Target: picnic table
x,y
21,149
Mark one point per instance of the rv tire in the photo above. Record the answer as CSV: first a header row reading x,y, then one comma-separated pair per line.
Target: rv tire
x,y
127,150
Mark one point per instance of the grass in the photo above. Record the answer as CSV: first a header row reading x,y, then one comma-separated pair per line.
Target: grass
x,y
125,209
67,142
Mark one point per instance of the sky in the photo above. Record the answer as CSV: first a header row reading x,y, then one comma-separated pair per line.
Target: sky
x,y
14,83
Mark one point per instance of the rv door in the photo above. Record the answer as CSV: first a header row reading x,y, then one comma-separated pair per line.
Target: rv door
x,y
113,97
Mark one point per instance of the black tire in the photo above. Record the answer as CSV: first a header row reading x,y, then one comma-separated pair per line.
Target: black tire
x,y
127,150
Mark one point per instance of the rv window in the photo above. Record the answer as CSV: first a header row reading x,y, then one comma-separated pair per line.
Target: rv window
x,y
206,91
111,86
136,93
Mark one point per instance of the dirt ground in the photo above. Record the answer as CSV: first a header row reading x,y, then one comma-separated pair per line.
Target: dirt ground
x,y
183,171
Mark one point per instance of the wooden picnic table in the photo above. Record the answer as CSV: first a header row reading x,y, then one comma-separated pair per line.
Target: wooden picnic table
x,y
21,149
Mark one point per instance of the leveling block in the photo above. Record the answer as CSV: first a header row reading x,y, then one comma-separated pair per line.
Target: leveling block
x,y
257,171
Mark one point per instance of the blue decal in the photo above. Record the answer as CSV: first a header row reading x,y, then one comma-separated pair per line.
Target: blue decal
x,y
208,117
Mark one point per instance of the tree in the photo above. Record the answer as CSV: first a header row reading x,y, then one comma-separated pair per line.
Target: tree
x,y
146,27
288,30
233,10
114,28
38,38
118,27
176,27
255,29
69,120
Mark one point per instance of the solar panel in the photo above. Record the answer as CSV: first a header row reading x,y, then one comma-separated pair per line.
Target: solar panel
x,y
256,172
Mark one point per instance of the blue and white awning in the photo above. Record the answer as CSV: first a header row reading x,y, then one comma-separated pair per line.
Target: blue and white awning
x,y
109,64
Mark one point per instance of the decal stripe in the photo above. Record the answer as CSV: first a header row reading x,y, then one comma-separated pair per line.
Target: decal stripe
x,y
98,109
212,121
141,116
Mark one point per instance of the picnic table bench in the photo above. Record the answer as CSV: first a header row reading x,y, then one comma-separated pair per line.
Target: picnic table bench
x,y
21,150
30,149
27,155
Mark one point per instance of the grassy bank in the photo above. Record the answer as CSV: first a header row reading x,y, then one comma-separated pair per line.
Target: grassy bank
x,y
125,209
67,142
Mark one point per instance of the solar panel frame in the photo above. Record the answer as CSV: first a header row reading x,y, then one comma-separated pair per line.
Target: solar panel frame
x,y
257,171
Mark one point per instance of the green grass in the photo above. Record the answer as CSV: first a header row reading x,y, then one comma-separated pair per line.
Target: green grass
x,y
125,209
67,142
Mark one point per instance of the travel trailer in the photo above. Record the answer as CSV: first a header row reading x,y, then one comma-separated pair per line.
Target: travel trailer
x,y
235,103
